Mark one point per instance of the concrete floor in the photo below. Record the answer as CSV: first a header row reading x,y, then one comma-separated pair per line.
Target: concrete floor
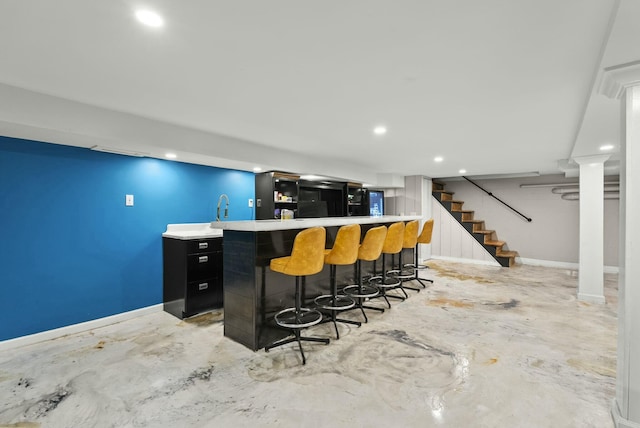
x,y
482,347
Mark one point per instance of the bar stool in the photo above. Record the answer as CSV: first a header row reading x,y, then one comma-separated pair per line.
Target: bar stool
x,y
307,258
392,245
410,241
369,250
423,238
344,252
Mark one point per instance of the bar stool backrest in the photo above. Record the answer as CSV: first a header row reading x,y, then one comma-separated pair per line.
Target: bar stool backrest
x,y
345,247
393,241
411,234
427,231
307,255
371,246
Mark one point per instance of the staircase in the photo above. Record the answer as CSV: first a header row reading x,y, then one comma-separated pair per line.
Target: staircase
x,y
487,238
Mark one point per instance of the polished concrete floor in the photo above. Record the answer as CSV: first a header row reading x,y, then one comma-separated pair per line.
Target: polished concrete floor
x,y
482,347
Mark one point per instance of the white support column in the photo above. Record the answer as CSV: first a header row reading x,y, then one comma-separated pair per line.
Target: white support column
x,y
591,271
624,82
417,200
424,252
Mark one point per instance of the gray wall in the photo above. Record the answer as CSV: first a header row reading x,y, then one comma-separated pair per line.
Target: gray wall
x,y
554,232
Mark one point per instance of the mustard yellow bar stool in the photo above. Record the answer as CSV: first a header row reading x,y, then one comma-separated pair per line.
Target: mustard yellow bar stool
x,y
423,238
392,245
344,252
307,258
369,250
410,240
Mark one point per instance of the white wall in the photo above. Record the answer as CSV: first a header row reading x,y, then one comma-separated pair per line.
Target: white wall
x,y
554,232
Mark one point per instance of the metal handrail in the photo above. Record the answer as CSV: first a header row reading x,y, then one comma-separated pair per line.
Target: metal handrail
x,y
498,199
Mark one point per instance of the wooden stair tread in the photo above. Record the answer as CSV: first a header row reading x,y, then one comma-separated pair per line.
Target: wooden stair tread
x,y
473,221
442,191
495,243
462,211
484,232
507,253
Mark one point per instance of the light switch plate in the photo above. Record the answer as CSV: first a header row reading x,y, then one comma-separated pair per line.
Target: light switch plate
x,y
128,200
250,203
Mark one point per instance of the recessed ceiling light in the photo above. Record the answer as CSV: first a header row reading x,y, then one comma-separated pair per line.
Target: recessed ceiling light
x,y
170,155
380,130
438,159
149,18
257,169
606,147
463,171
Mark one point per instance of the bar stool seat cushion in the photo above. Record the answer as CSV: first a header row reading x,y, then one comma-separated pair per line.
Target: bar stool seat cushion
x,y
345,247
394,239
427,232
372,244
307,258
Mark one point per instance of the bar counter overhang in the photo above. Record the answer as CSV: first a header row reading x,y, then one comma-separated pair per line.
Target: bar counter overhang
x,y
253,293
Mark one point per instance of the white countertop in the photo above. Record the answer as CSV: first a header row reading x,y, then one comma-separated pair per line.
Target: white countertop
x,y
192,231
303,223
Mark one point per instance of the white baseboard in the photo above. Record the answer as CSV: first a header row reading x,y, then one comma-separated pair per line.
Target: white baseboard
x,y
547,263
77,328
591,298
562,265
469,261
525,261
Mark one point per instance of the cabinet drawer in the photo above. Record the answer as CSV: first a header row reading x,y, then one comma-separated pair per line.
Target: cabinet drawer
x,y
204,245
203,295
202,265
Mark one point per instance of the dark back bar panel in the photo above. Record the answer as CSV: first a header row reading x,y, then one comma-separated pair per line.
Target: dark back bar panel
x,y
253,293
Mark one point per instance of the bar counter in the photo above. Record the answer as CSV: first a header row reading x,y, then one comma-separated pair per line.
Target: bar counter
x,y
253,293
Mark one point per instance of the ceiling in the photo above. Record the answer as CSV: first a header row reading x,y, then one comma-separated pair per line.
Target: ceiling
x,y
493,87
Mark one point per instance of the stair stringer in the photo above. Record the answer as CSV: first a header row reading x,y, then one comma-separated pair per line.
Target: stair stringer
x,y
451,240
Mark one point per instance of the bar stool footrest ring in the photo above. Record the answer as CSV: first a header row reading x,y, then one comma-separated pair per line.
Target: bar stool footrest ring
x,y
385,282
402,274
367,291
305,317
413,266
334,303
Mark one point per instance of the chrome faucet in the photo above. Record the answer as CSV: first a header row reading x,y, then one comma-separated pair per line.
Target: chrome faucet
x,y
226,208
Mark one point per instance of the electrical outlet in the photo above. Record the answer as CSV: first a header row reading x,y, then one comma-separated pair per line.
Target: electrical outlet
x,y
250,203
128,200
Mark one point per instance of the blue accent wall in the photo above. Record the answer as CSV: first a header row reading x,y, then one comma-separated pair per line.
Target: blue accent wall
x,y
71,251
